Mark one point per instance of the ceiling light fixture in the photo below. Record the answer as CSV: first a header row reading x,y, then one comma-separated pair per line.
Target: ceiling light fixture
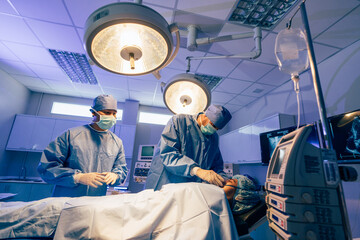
x,y
75,65
130,39
186,94
263,13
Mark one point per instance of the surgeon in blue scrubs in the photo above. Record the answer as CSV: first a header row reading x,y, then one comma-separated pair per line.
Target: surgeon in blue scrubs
x,y
85,159
188,150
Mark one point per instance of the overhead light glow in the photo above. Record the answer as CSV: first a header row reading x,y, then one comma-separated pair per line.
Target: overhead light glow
x,y
77,110
186,94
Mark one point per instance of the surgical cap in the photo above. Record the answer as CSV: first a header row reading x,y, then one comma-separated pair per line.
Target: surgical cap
x,y
218,115
103,102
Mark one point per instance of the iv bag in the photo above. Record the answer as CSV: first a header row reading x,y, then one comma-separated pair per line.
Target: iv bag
x,y
291,51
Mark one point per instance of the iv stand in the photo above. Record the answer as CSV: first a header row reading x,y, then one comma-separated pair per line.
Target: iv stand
x,y
322,110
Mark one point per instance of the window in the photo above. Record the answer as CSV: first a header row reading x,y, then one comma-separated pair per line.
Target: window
x,y
154,118
77,110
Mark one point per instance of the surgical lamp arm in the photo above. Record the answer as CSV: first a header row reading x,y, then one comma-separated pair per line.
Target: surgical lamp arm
x,y
192,43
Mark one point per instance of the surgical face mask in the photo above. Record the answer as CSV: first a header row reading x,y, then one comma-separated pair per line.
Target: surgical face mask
x,y
208,129
106,121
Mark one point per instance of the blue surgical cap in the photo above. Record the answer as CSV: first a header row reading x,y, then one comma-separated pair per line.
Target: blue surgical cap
x,y
103,102
218,115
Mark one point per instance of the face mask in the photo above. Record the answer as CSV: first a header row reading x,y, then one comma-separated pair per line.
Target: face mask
x,y
208,129
106,121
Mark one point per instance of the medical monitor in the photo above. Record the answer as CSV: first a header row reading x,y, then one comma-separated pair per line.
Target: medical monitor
x,y
146,152
345,132
269,141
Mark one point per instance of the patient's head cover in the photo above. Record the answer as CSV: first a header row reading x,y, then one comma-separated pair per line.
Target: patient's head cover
x,y
245,196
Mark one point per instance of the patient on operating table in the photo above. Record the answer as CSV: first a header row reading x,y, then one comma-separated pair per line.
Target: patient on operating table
x,y
241,192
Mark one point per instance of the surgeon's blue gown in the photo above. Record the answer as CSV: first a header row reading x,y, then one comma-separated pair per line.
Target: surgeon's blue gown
x,y
82,149
183,146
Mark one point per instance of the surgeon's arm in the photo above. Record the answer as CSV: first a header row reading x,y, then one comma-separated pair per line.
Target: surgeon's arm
x,y
174,162
119,167
218,165
51,167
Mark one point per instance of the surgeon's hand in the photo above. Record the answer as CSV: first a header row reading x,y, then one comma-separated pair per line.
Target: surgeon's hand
x,y
92,179
110,177
211,177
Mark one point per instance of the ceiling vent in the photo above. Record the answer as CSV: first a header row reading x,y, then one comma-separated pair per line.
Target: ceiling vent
x,y
75,65
261,13
211,81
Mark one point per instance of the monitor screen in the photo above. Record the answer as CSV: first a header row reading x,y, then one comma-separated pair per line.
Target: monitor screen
x,y
345,131
147,151
269,141
279,160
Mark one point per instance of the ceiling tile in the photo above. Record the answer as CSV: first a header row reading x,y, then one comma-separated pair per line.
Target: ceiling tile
x,y
242,100
80,10
5,7
207,26
167,3
344,32
180,61
257,90
164,12
321,14
119,94
212,8
52,11
232,107
140,85
233,47
30,81
274,78
232,86
5,53
60,86
250,71
16,67
322,52
112,80
217,67
49,72
144,98
32,54
56,36
221,97
14,29
167,74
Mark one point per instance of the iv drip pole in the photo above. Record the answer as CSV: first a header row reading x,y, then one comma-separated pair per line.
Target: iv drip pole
x,y
322,110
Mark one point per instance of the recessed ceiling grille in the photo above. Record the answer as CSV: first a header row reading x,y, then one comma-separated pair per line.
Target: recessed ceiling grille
x,y
211,81
75,65
261,13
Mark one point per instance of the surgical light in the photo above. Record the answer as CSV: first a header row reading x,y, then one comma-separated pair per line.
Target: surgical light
x,y
186,94
129,39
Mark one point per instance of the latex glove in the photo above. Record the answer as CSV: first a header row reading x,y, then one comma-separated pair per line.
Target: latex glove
x,y
92,179
110,177
210,176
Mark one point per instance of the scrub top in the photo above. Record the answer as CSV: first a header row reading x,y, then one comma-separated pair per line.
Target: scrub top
x,y
183,146
82,150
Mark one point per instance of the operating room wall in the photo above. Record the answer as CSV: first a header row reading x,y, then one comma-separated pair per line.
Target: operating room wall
x,y
146,134
13,99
